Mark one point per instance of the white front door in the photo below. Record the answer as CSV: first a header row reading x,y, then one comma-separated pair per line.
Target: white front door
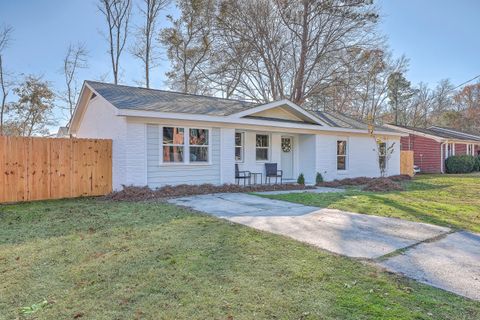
x,y
287,157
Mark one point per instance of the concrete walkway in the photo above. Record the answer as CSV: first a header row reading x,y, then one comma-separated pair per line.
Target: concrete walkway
x,y
451,262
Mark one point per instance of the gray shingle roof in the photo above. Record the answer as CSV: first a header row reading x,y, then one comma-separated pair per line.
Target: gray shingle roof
x,y
445,133
336,119
136,98
126,97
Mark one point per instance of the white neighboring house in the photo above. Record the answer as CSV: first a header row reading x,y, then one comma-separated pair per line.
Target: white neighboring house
x,y
168,138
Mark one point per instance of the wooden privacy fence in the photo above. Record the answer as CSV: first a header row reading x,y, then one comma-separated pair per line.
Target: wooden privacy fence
x,y
406,162
50,168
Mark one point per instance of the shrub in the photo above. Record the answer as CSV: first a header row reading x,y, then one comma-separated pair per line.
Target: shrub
x,y
301,179
460,164
476,167
318,178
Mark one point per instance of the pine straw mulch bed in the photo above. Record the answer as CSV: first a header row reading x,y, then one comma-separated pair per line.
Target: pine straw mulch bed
x,y
130,193
392,183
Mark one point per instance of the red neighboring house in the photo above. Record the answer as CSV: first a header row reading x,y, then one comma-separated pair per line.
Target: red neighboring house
x,y
433,145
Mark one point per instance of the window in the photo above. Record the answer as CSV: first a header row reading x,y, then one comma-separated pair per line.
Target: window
x,y
262,147
382,155
177,147
239,136
173,142
470,150
450,150
198,145
341,155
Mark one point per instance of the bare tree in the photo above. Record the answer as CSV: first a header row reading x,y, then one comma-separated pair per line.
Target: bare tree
x,y
117,14
75,59
5,38
296,49
144,48
188,44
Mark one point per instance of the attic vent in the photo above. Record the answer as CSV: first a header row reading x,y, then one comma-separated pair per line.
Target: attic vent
x,y
93,96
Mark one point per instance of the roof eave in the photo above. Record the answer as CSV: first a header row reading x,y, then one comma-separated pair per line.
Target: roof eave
x,y
243,121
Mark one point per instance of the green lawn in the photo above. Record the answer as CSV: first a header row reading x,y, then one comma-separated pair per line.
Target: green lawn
x,y
446,200
115,260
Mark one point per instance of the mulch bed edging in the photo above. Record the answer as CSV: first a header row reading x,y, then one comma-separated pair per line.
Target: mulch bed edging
x,y
131,193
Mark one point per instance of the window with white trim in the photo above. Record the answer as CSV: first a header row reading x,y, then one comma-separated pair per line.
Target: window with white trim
x,y
239,146
449,150
470,149
341,155
262,147
173,144
198,143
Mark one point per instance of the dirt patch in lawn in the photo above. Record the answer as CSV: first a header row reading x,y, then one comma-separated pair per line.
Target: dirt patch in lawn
x,y
383,185
130,193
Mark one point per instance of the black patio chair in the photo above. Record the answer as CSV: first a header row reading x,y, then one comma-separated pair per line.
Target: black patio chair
x,y
272,172
242,175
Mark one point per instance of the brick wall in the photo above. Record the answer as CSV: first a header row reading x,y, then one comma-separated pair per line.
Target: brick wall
x,y
460,149
427,153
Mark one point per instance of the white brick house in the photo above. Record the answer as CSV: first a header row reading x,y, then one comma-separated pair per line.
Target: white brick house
x,y
167,138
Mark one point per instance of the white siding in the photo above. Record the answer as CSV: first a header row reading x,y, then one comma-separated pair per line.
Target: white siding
x,y
100,122
306,145
136,149
361,157
326,160
173,174
227,160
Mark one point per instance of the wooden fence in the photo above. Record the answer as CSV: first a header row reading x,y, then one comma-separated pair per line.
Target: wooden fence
x,y
406,162
49,168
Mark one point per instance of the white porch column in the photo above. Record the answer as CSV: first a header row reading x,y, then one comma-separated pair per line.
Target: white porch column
x,y
227,155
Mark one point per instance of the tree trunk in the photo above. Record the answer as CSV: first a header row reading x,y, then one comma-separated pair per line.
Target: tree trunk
x,y
299,79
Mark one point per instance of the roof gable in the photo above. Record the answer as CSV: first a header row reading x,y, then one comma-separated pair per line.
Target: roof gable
x,y
284,110
281,113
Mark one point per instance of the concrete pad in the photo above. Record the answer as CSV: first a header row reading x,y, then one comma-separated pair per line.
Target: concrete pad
x,y
345,233
226,205
350,234
316,190
451,263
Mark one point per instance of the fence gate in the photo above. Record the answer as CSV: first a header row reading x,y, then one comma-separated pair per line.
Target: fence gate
x,y
51,168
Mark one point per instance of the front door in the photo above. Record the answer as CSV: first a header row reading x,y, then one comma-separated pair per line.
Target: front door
x,y
287,157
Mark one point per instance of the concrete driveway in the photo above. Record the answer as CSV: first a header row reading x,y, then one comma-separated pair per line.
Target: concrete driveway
x,y
433,255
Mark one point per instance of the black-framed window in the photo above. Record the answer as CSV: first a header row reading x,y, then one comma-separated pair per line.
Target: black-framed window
x,y
262,147
341,155
239,146
173,144
198,141
382,155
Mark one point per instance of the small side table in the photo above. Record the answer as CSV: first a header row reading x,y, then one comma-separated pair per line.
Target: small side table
x,y
255,175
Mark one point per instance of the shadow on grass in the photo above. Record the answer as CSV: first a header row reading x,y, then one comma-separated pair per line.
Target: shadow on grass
x,y
418,186
408,210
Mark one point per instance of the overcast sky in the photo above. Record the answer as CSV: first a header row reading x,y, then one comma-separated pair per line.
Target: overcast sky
x,y
439,37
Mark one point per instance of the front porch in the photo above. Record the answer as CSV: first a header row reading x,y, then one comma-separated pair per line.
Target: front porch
x,y
293,153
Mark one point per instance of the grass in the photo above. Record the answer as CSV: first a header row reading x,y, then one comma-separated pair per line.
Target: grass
x,y
94,259
445,200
